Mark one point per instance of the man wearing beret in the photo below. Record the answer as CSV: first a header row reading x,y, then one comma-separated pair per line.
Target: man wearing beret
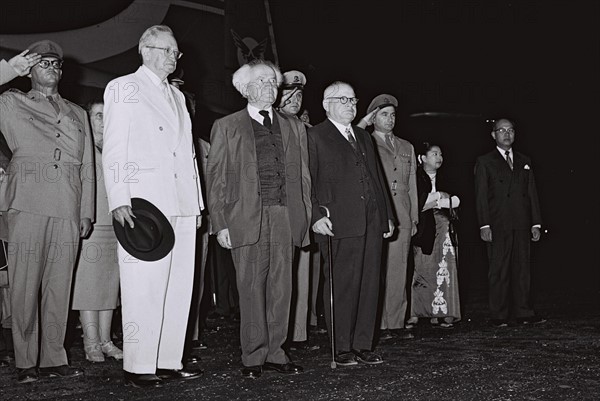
x,y
351,205
48,193
148,152
290,102
397,157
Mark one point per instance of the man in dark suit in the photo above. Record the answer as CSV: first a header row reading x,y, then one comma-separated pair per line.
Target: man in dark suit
x,y
259,203
509,217
349,200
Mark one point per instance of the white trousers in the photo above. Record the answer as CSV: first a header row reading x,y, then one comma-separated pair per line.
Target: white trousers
x,y
155,298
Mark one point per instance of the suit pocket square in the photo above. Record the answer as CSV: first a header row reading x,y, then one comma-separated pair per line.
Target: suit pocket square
x,y
527,167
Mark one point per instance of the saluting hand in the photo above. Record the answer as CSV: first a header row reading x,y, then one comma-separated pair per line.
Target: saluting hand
x,y
23,62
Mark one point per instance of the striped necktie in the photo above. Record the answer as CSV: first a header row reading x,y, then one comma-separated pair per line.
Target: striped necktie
x,y
508,159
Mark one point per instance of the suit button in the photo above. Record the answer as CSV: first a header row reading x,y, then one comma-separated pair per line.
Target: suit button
x,y
174,154
395,169
160,128
58,134
394,194
55,166
259,194
362,197
175,175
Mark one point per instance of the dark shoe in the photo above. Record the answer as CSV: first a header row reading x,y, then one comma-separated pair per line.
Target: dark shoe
x,y
252,372
367,357
442,325
60,371
402,334
215,316
287,368
27,375
385,335
531,320
303,346
197,344
498,323
317,330
142,380
181,374
345,359
191,360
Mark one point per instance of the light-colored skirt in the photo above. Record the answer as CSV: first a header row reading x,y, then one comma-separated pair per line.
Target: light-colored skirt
x,y
97,273
435,282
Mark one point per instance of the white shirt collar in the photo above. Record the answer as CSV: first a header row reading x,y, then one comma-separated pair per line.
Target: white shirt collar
x,y
255,115
342,128
153,77
503,152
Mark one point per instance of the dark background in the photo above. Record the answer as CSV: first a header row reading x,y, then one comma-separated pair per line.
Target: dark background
x,y
536,62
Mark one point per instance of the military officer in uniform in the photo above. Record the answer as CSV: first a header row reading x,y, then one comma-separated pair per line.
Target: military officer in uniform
x,y
48,195
397,158
290,102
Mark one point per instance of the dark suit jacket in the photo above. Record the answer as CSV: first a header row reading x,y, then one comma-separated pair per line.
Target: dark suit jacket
x,y
426,228
336,180
506,199
233,184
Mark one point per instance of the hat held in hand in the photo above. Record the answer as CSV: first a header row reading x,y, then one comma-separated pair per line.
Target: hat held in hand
x,y
152,236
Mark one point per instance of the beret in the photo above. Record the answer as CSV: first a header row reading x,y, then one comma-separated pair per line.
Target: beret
x,y
46,48
382,101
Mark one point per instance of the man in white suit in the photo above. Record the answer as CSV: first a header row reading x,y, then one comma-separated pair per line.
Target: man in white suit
x,y
148,153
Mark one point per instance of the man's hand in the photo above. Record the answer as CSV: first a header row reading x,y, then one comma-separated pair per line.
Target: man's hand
x,y
486,234
368,119
85,226
413,229
223,238
323,226
2,174
535,234
124,214
391,229
198,221
23,62
443,195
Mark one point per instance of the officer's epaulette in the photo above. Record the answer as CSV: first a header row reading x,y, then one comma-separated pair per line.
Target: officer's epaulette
x,y
72,104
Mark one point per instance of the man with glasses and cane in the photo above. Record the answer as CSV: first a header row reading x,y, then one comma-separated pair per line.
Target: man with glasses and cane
x,y
350,206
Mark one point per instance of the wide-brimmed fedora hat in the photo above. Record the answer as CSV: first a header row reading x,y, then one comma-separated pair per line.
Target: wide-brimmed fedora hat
x,y
151,237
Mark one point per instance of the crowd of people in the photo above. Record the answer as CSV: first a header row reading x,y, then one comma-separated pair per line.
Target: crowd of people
x,y
116,206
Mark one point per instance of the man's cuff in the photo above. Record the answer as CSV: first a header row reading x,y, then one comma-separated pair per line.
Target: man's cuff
x,y
486,226
536,226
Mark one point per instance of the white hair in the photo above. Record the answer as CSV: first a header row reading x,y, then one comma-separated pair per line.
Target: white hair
x,y
151,33
241,77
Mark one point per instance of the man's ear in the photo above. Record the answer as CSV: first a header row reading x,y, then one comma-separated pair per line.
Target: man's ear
x,y
494,134
326,105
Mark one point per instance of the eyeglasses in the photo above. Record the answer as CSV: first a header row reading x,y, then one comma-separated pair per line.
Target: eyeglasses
x,y
55,64
504,130
168,51
344,99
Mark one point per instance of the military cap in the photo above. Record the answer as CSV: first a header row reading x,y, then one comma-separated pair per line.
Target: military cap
x,y
382,101
293,79
46,48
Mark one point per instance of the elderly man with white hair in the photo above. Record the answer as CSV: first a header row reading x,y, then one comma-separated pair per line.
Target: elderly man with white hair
x,y
258,189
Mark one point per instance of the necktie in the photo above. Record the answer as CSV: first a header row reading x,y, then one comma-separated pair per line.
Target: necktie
x,y
351,139
167,93
389,142
53,104
508,159
266,119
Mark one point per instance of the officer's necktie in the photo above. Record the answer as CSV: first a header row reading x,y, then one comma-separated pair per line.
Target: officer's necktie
x,y
167,93
508,159
266,119
389,142
53,104
351,139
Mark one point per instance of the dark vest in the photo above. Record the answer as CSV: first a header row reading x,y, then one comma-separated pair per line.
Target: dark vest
x,y
271,163
365,179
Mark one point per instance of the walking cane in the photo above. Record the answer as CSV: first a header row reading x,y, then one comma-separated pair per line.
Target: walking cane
x,y
331,314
